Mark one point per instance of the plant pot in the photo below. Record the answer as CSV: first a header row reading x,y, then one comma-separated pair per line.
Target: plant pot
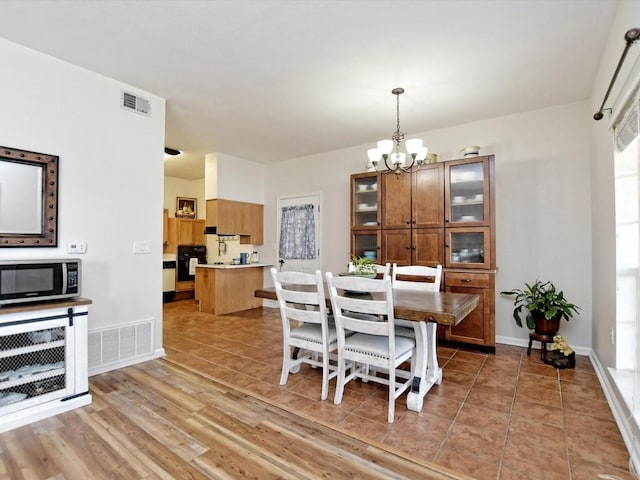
x,y
544,326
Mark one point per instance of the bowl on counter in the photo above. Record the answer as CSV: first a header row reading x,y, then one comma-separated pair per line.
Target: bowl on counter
x,y
235,261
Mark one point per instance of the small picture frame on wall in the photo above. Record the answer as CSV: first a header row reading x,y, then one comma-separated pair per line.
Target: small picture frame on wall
x,y
186,207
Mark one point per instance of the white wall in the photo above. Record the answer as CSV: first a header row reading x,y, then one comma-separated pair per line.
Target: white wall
x,y
542,203
233,178
110,178
179,187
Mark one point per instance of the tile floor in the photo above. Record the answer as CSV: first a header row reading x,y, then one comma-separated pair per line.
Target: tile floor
x,y
505,416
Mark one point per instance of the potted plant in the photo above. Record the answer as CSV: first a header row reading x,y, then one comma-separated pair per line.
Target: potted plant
x,y
545,305
363,266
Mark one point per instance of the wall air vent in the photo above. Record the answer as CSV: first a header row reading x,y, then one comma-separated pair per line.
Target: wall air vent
x,y
140,105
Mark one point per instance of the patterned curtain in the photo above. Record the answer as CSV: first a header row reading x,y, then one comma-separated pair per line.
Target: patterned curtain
x,y
298,233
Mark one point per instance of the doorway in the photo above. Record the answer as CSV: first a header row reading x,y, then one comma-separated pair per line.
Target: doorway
x,y
299,224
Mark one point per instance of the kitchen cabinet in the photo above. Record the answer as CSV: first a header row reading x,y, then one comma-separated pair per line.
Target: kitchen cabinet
x,y
366,243
468,193
231,217
479,326
416,246
413,200
365,199
229,288
184,231
43,360
442,214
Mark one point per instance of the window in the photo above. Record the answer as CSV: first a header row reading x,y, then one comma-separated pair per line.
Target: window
x,y
627,201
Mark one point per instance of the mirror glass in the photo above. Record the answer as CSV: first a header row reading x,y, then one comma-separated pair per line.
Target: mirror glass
x,y
28,198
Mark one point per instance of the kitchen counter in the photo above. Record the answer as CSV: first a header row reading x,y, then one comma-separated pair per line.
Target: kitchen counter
x,y
229,266
222,289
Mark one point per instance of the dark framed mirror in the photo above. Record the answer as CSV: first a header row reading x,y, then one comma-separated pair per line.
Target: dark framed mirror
x,y
28,198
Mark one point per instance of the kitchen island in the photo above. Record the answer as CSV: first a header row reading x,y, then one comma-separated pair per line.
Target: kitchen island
x,y
222,289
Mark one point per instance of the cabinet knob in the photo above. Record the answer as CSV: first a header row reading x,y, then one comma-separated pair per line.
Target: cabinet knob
x,y
446,220
467,280
446,245
408,222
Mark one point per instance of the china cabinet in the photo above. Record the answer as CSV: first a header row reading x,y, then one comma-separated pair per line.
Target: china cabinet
x,y
365,216
365,199
442,214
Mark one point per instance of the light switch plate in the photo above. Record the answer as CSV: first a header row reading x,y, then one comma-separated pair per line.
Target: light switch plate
x,y
141,246
77,247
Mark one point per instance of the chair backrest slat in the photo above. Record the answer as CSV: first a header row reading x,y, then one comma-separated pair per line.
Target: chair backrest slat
x,y
300,297
420,277
362,304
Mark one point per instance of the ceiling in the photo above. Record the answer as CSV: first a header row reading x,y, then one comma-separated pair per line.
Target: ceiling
x,y
277,79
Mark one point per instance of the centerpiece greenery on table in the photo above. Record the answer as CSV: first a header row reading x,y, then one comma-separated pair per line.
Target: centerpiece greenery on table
x,y
363,266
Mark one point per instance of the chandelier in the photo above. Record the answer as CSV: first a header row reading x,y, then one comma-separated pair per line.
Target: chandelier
x,y
389,150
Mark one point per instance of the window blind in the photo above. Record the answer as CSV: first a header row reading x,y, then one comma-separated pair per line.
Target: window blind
x,y
629,127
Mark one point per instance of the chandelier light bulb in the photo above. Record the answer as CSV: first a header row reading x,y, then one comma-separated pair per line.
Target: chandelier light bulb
x,y
422,154
397,159
374,155
413,145
385,147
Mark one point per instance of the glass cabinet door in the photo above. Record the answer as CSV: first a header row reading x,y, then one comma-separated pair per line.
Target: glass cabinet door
x,y
365,199
366,244
468,247
466,192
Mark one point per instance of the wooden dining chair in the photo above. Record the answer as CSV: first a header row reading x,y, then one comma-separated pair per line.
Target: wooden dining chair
x,y
307,335
414,277
373,342
383,270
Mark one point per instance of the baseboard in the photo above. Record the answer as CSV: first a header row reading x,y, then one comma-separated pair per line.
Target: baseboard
x,y
524,342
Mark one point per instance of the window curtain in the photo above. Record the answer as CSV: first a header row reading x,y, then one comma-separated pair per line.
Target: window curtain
x,y
298,233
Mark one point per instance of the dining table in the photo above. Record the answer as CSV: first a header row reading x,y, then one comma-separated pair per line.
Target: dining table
x,y
427,310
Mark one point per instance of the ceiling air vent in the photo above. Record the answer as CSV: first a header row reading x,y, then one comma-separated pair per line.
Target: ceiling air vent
x,y
136,103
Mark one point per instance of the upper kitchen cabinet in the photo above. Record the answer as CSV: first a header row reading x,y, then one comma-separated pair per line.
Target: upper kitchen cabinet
x,y
413,200
230,217
467,191
183,231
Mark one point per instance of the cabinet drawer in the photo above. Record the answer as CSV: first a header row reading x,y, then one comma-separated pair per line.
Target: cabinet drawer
x,y
478,280
185,286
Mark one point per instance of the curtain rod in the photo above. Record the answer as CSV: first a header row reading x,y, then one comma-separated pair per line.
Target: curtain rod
x,y
630,37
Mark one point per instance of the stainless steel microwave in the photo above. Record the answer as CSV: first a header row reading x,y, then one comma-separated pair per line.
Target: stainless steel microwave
x,y
37,280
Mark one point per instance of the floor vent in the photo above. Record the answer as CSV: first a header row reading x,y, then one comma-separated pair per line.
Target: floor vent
x,y
119,345
129,101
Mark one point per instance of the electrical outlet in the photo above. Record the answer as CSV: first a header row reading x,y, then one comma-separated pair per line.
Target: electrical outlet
x,y
613,336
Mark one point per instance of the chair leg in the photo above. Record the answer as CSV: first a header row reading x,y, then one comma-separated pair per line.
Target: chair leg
x,y
285,368
392,393
340,381
325,376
